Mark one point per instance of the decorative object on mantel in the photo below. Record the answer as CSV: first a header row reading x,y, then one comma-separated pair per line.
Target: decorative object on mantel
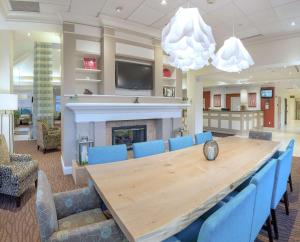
x,y
232,56
83,145
169,91
89,63
211,150
167,72
87,92
188,40
136,100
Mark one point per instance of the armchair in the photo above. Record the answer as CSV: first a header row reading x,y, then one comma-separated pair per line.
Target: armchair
x,y
73,216
47,138
17,172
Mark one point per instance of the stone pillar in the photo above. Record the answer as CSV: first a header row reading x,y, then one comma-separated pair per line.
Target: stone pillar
x,y
6,83
107,63
158,69
195,99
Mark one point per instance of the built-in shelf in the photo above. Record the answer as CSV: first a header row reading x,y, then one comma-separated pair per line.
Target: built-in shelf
x,y
87,70
169,78
87,80
86,53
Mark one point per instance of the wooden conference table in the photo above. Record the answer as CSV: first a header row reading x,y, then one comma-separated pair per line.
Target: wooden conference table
x,y
155,197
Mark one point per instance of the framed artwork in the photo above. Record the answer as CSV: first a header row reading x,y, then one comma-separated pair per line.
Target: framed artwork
x,y
169,91
217,100
252,100
89,63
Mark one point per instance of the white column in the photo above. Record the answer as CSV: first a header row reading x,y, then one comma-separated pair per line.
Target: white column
x,y
6,79
195,97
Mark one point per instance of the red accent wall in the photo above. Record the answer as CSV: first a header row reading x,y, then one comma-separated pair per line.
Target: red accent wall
x,y
206,96
228,99
268,113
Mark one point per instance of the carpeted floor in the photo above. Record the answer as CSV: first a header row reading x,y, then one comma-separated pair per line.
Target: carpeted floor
x,y
20,225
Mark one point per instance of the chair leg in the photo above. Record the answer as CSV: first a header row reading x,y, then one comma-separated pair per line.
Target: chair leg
x,y
269,229
44,151
38,147
286,203
18,201
291,183
36,183
274,221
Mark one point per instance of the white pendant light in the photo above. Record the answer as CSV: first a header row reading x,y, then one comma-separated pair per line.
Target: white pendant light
x,y
188,40
232,56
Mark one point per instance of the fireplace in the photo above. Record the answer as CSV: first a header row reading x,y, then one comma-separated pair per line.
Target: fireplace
x,y
129,134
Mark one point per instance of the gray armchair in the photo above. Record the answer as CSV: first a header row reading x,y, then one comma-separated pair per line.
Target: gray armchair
x,y
17,172
73,216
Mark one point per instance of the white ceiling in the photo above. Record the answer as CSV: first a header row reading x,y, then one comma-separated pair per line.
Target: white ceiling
x,y
251,17
287,77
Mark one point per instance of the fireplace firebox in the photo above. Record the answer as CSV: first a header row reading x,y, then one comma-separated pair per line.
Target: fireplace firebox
x,y
129,134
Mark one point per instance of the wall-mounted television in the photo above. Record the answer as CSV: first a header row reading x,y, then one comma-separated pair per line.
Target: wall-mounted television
x,y
266,93
136,76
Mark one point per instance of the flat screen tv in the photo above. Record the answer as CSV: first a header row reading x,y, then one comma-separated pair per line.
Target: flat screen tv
x,y
134,76
266,93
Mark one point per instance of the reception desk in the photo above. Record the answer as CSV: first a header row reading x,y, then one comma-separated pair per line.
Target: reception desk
x,y
233,122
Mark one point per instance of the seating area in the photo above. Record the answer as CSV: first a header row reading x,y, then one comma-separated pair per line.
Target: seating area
x,y
149,121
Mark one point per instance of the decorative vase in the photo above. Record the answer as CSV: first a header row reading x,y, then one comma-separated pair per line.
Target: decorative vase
x,y
211,150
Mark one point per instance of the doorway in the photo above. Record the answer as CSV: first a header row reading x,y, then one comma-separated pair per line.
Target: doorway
x,y
297,110
285,111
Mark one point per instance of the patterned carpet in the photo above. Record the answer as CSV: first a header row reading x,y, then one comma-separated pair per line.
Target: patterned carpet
x,y
20,225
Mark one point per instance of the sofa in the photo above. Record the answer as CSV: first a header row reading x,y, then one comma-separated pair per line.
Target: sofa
x,y
47,138
73,216
17,172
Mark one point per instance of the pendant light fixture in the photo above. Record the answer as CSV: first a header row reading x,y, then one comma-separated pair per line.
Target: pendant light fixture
x,y
188,40
232,56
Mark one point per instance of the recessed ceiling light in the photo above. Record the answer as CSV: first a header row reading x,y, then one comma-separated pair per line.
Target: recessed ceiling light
x,y
28,34
119,9
163,2
293,23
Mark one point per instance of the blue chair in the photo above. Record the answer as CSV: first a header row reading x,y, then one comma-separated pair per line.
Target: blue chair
x,y
264,182
201,138
279,153
283,170
180,142
227,223
143,149
107,154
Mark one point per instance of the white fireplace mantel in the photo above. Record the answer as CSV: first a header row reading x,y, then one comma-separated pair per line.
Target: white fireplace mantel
x,y
101,112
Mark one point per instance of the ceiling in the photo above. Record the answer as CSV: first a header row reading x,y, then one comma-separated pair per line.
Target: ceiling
x,y
286,77
250,17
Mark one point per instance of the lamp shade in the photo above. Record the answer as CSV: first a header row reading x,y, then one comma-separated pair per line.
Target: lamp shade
x,y
232,56
8,102
188,40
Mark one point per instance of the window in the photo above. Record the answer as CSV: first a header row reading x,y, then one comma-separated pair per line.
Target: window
x,y
57,104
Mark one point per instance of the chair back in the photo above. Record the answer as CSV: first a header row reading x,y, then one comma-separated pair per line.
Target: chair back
x,y
148,148
4,153
232,222
107,154
45,208
260,135
264,182
291,145
201,138
180,142
283,170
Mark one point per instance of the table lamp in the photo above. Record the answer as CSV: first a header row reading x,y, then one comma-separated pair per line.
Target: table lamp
x,y
8,103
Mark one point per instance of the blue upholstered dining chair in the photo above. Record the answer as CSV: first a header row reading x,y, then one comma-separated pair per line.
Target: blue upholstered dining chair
x,y
264,181
231,222
148,148
283,170
180,142
107,154
201,138
279,153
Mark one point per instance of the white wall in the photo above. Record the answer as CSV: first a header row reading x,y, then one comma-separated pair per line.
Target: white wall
x,y
230,90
